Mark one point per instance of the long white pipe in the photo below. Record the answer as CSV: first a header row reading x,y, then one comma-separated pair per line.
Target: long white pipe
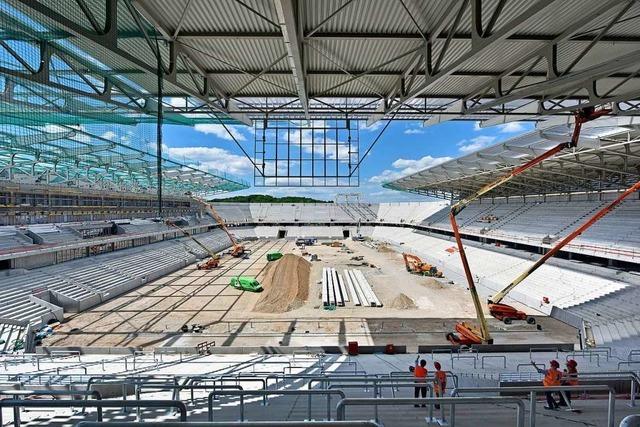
x,y
343,288
365,284
336,288
325,288
364,300
352,290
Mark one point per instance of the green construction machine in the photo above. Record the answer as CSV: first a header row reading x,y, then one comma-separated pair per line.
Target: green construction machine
x,y
272,256
246,284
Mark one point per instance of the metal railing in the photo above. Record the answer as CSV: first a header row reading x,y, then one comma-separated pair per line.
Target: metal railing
x,y
453,401
235,423
13,403
264,393
533,391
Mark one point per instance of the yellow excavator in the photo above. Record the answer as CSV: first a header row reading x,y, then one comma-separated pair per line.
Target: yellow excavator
x,y
415,265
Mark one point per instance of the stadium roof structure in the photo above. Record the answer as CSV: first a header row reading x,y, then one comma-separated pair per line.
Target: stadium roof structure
x,y
495,60
607,158
142,63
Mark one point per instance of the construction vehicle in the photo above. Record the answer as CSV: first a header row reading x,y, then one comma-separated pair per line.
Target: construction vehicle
x,y
214,259
245,283
415,265
273,256
507,312
302,241
468,334
237,249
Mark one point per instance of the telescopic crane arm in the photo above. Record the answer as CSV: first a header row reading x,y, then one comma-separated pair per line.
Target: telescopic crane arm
x,y
577,232
581,116
238,250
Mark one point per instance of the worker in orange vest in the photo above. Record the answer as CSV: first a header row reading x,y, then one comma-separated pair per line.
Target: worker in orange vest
x,y
420,373
439,381
552,378
569,377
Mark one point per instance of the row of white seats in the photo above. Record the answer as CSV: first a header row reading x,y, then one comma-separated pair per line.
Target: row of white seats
x,y
493,271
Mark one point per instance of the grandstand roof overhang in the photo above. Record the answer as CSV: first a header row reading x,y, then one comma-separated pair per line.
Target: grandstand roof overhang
x,y
607,158
437,60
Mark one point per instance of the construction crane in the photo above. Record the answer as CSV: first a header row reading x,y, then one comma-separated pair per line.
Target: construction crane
x,y
237,249
214,259
415,265
467,334
495,301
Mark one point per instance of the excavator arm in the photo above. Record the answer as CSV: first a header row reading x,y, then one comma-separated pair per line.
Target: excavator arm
x,y
482,335
577,232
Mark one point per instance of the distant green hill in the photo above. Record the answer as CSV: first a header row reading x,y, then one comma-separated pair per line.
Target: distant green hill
x,y
262,198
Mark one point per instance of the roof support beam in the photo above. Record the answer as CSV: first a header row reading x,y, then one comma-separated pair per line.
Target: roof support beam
x,y
291,34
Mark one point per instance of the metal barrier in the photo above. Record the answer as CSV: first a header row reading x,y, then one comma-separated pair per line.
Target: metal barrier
x,y
474,358
16,412
378,395
430,376
453,401
495,356
235,423
628,363
11,403
533,391
585,354
243,393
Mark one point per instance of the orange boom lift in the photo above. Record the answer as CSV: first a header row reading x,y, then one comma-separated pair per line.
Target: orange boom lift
x,y
237,250
467,334
214,259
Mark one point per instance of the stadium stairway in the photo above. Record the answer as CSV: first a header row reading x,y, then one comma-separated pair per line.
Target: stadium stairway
x,y
613,317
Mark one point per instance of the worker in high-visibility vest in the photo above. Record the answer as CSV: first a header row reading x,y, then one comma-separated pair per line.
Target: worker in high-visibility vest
x,y
420,373
439,381
569,377
552,378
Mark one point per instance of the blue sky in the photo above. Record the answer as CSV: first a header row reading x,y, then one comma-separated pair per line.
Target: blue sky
x,y
405,147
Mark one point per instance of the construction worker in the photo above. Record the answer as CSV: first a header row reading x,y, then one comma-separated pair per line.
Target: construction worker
x,y
420,373
439,381
569,377
552,378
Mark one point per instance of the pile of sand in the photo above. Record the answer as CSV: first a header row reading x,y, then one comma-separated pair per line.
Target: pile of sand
x,y
403,302
384,248
285,283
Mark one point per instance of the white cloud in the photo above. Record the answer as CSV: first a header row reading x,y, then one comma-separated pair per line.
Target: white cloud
x,y
476,126
413,131
512,127
219,131
468,146
403,167
374,127
212,158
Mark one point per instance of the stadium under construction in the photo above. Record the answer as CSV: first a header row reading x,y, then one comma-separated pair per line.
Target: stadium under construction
x,y
123,285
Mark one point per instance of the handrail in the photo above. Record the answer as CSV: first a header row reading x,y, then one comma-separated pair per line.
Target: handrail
x,y
234,423
454,401
11,403
18,392
243,393
533,391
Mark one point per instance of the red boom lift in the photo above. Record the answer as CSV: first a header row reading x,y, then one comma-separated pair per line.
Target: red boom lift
x,y
467,334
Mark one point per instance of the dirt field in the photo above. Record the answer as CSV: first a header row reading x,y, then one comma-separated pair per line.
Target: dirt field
x,y
153,314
